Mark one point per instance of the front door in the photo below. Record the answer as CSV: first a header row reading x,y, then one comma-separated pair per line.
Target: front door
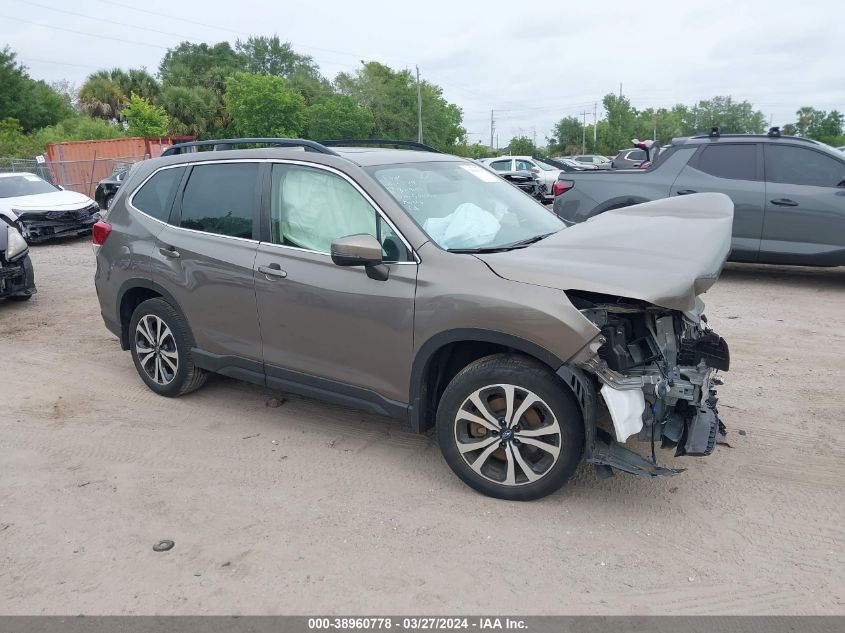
x,y
733,169
329,330
805,207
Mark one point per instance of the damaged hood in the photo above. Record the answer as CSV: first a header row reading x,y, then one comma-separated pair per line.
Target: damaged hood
x,y
664,252
53,201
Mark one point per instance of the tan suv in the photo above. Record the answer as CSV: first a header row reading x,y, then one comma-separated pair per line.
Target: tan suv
x,y
422,286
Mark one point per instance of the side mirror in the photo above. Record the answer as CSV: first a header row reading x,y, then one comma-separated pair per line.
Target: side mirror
x,y
536,170
360,250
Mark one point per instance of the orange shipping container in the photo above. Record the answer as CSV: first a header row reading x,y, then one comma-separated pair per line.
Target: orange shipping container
x,y
80,165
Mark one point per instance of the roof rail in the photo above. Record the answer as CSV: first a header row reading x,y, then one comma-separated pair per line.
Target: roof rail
x,y
769,134
352,142
227,143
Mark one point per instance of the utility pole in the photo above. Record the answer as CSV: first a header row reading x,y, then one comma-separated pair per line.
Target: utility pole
x,y
534,136
492,128
595,123
620,89
584,133
419,109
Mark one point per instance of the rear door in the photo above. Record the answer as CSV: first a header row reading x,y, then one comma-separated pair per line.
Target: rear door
x,y
805,207
204,258
734,169
328,329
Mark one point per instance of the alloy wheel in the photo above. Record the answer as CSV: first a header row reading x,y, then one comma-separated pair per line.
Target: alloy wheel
x,y
507,434
156,349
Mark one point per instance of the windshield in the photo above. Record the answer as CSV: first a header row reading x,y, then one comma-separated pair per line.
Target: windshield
x,y
462,206
24,185
544,166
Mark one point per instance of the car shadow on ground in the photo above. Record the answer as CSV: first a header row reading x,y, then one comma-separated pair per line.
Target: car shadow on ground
x,y
821,278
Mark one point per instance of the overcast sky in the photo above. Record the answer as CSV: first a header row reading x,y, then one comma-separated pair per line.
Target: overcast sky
x,y
531,62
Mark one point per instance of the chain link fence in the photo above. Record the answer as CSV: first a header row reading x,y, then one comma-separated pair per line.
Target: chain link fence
x,y
75,175
8,165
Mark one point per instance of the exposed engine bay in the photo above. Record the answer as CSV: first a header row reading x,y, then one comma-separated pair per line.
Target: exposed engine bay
x,y
656,371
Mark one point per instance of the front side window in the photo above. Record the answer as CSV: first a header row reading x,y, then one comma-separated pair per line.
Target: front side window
x,y
220,199
737,162
501,165
462,206
636,154
310,208
155,197
800,166
524,165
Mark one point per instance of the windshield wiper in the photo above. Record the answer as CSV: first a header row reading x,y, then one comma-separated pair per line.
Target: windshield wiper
x,y
503,247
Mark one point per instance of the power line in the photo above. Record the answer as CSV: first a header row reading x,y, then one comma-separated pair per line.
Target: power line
x,y
101,19
97,35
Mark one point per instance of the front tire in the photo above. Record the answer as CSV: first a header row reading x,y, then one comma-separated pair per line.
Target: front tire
x,y
160,344
508,427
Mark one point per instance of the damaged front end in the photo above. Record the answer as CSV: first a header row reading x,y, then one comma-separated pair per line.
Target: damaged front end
x,y
653,372
42,225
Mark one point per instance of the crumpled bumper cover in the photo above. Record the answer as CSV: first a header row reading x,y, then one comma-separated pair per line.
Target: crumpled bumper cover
x,y
17,279
39,226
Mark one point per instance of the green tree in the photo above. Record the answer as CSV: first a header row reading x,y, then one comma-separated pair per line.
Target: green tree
x,y
733,117
203,65
522,146
566,136
619,124
31,103
263,105
101,96
193,110
820,125
476,150
391,97
337,118
144,118
270,56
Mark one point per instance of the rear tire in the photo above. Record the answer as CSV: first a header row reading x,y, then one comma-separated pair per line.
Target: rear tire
x,y
160,343
508,427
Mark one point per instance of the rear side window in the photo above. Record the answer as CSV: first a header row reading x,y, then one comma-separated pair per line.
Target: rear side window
x,y
799,166
155,197
737,162
220,199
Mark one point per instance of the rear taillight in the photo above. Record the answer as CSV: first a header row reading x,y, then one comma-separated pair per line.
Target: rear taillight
x,y
100,233
562,186
645,164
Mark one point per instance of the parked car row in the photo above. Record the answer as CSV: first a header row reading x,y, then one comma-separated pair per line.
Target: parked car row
x,y
788,192
33,210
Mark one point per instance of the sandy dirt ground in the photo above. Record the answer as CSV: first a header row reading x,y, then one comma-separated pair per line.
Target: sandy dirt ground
x,y
306,508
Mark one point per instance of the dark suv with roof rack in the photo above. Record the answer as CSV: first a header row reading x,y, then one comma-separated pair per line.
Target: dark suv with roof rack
x,y
422,286
788,193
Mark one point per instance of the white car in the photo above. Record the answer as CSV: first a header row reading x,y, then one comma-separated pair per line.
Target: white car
x,y
545,172
42,211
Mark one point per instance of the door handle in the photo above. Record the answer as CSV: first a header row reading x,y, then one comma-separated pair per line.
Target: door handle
x,y
170,252
686,192
784,202
271,271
